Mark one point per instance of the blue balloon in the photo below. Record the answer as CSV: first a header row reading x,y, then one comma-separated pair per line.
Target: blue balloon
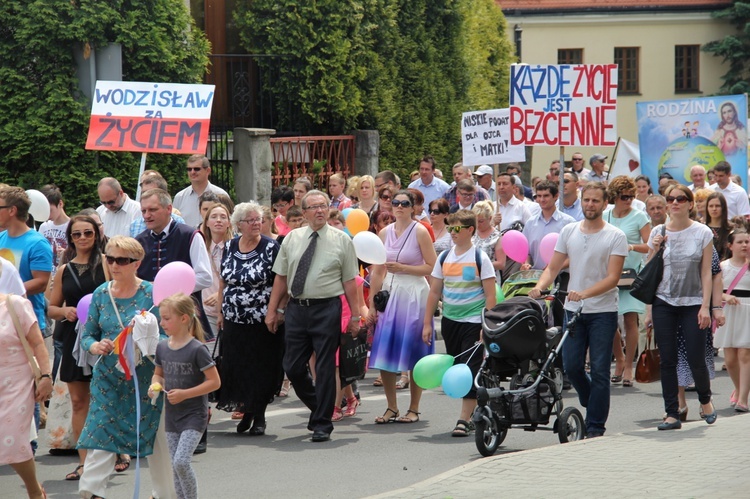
x,y
346,229
457,381
346,212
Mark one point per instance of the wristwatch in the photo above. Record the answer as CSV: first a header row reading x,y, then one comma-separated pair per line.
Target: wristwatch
x,y
356,318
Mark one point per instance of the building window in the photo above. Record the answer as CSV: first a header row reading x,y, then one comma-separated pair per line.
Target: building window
x,y
686,68
628,62
570,56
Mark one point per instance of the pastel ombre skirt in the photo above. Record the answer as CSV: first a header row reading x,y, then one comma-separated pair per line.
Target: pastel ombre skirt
x,y
397,344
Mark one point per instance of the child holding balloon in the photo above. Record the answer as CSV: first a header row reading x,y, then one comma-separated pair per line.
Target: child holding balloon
x,y
186,373
465,289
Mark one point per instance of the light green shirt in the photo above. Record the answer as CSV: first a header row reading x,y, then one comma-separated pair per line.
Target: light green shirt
x,y
333,263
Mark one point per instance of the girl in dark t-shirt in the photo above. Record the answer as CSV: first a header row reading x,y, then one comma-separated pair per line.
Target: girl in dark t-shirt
x,y
186,373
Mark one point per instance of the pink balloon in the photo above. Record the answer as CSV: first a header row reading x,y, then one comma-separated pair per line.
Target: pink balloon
x,y
82,309
515,245
547,247
173,278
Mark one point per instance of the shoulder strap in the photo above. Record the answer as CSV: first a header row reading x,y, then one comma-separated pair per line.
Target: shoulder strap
x,y
73,275
737,279
477,259
26,347
114,305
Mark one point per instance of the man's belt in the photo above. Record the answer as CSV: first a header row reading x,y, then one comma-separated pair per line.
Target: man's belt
x,y
305,302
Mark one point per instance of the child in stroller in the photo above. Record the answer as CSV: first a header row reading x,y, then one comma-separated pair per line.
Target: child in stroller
x,y
521,352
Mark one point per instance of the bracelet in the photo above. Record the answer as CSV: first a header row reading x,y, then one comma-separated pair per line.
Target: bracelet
x,y
45,376
717,307
280,311
356,318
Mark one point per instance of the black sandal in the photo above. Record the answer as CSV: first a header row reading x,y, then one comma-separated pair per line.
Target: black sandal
x,y
124,464
463,428
406,419
76,474
385,420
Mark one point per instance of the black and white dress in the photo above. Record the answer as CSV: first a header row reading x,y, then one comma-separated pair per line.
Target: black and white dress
x,y
251,354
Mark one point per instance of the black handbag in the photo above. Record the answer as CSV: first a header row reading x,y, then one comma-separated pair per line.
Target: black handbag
x,y
380,300
648,279
353,357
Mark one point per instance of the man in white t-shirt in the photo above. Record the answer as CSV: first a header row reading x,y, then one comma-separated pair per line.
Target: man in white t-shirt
x,y
596,251
468,278
736,196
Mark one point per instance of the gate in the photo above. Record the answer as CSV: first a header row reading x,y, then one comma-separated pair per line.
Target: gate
x,y
317,157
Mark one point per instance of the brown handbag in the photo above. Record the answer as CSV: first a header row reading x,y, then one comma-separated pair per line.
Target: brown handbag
x,y
647,369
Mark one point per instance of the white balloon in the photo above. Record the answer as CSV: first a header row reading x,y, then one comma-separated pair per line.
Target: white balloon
x,y
369,248
39,208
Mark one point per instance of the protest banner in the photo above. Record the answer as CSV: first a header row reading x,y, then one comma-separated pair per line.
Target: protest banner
x,y
486,138
150,117
676,134
563,105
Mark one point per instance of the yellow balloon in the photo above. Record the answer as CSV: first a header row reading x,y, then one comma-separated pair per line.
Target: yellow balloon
x,y
357,221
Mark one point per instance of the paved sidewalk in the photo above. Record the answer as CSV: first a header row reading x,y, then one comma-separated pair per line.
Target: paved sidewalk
x,y
697,461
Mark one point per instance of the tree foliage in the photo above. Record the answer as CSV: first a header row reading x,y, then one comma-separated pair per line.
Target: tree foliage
x,y
407,68
734,49
44,120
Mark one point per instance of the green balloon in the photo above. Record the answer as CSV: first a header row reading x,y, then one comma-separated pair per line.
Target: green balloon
x,y
428,372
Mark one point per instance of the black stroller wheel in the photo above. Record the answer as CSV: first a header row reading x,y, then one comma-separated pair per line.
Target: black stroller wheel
x,y
488,434
570,425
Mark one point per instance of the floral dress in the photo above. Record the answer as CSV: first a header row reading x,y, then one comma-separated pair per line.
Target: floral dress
x,y
111,421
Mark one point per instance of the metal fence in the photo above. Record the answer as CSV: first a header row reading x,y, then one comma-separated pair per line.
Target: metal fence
x,y
317,157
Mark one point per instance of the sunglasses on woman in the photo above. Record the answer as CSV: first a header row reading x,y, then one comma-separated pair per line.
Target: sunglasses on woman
x,y
626,197
455,229
120,260
437,212
405,203
86,233
680,199
385,198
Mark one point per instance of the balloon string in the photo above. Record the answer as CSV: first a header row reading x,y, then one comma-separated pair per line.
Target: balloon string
x,y
473,347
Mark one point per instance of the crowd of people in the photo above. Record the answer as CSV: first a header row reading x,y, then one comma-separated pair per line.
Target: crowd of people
x,y
276,287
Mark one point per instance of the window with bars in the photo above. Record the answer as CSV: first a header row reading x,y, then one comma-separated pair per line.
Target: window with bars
x,y
628,63
686,68
570,56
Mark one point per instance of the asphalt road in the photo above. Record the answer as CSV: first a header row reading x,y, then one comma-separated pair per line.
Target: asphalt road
x,y
362,458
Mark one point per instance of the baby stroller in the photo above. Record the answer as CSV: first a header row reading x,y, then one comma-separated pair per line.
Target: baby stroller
x,y
520,353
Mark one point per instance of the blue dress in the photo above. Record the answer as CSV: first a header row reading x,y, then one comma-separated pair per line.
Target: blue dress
x,y
111,421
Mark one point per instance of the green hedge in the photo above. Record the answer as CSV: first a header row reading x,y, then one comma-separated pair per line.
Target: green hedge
x,y
43,120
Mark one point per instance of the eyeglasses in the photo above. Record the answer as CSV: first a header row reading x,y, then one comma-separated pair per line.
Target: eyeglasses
x,y
554,171
405,203
466,194
455,229
577,159
109,203
5,206
626,197
281,205
194,169
437,212
86,233
251,221
680,199
567,181
317,207
120,260
385,198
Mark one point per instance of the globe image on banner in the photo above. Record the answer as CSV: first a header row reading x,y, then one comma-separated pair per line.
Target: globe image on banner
x,y
685,152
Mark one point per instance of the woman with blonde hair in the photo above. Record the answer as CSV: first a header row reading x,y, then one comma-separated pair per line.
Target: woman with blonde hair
x,y
365,192
110,427
216,230
636,226
488,237
701,199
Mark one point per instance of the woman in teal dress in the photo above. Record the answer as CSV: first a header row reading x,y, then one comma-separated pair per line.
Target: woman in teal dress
x,y
636,226
110,427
